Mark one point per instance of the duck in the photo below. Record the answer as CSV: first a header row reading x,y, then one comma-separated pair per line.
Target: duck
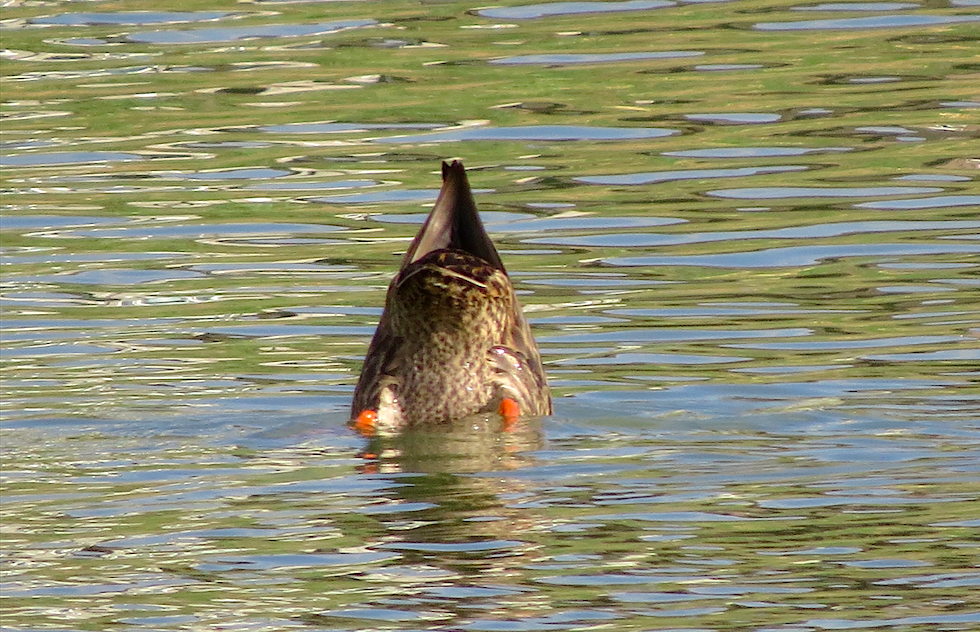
x,y
452,340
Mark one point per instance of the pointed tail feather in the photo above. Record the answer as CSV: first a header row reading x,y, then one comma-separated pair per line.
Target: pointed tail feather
x,y
454,222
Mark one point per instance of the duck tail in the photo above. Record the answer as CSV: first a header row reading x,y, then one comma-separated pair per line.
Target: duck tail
x,y
454,222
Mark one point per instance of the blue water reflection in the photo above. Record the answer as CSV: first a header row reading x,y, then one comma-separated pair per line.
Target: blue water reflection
x,y
690,174
562,59
130,17
37,222
859,6
112,277
66,158
336,128
236,33
876,22
815,231
312,185
753,152
940,201
534,133
200,231
795,256
736,118
531,11
775,193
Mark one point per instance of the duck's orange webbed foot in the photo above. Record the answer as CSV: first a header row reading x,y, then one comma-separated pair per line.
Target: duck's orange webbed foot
x,y
366,423
511,412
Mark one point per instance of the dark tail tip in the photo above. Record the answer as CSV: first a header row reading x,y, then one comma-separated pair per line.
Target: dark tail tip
x,y
455,167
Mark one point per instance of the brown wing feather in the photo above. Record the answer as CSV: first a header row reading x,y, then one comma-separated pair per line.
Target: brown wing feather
x,y
519,368
380,367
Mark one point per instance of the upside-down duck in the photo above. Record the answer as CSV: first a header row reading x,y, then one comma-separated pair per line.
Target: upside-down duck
x,y
452,340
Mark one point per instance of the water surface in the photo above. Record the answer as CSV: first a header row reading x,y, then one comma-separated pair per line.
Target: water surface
x,y
235,33
129,18
747,243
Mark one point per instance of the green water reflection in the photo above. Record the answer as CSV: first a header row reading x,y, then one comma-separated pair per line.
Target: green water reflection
x,y
753,277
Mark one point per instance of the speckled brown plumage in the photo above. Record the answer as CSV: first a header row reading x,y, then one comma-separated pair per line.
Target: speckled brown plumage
x,y
452,340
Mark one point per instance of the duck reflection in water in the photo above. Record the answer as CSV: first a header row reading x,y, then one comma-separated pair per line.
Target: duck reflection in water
x,y
452,341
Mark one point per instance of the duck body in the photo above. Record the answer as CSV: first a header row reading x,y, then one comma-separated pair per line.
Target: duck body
x,y
452,340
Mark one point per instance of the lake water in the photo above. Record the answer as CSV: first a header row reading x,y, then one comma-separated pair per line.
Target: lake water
x,y
747,235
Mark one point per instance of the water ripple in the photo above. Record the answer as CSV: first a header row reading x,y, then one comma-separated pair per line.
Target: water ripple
x,y
753,152
130,17
534,133
876,22
794,256
765,403
561,59
66,158
774,193
939,201
235,33
821,231
531,11
690,174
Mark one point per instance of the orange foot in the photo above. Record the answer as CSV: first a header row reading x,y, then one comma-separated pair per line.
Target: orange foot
x,y
511,412
366,423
